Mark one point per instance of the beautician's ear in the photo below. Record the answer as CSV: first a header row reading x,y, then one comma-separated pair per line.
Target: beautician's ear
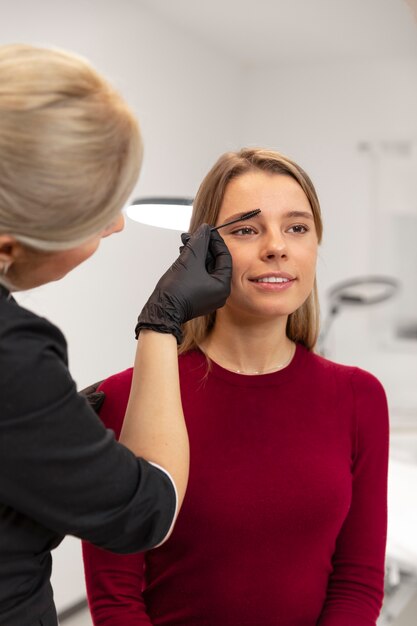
x,y
9,250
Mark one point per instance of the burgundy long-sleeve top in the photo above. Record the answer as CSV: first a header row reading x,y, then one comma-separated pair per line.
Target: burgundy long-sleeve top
x,y
284,520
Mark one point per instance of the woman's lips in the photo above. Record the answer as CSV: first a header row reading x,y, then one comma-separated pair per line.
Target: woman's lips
x,y
272,283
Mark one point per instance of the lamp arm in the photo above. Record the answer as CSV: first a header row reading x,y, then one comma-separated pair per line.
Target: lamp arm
x,y
333,311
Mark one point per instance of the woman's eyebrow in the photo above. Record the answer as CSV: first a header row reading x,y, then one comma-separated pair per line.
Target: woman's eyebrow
x,y
303,214
290,214
237,217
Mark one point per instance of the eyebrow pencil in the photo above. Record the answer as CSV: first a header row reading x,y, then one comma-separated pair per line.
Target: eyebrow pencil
x,y
245,216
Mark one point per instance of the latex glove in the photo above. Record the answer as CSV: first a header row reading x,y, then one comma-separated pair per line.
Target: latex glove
x,y
189,289
94,398
210,262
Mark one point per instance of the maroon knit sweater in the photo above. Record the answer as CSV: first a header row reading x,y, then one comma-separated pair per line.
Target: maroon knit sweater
x,y
284,520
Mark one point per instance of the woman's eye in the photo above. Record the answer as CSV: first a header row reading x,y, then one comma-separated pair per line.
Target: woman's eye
x,y
298,229
245,230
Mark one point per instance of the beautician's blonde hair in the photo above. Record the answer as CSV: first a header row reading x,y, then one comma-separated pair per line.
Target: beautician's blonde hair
x,y
70,148
303,324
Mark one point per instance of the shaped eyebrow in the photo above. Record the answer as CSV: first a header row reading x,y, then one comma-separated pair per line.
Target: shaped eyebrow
x,y
290,214
303,214
237,217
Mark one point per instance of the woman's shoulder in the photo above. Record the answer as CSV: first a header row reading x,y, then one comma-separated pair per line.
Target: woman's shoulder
x,y
117,382
325,364
361,380
191,357
192,364
116,389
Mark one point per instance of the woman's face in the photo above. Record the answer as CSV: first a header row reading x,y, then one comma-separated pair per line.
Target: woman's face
x,y
274,254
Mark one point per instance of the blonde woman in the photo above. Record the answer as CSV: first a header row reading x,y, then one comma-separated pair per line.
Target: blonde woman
x,y
284,519
70,153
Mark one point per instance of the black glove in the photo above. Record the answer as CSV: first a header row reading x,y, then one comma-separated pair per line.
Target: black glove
x,y
94,398
189,289
210,260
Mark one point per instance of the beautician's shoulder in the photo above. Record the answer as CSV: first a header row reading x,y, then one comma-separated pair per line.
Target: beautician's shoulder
x,y
33,362
24,336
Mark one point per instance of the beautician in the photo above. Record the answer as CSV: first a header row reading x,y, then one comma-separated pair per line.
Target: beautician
x,y
70,153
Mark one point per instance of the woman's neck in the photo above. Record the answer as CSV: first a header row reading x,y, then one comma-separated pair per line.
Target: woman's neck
x,y
250,346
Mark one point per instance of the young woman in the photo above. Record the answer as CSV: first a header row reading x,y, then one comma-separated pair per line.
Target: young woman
x,y
284,520
70,153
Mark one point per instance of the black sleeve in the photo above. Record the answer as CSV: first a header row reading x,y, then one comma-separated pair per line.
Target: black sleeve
x,y
58,464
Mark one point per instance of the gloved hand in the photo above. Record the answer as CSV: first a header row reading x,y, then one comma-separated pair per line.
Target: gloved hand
x,y
210,261
189,289
94,398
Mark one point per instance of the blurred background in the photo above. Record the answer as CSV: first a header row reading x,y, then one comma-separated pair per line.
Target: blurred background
x,y
331,83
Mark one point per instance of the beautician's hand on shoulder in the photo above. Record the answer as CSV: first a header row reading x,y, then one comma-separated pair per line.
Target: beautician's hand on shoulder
x,y
197,283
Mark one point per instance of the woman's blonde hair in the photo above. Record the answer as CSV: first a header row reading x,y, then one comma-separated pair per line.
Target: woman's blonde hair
x,y
70,148
303,324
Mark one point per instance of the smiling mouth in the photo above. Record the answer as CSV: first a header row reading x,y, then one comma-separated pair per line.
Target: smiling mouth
x,y
271,279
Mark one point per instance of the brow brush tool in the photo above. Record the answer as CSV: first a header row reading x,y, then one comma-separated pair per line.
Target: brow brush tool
x,y
245,216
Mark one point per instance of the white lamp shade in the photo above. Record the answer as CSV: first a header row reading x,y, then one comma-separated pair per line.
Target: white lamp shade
x,y
170,213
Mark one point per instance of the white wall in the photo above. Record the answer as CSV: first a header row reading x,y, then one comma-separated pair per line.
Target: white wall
x,y
186,96
320,114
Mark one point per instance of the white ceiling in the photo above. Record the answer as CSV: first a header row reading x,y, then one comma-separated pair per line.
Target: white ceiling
x,y
267,32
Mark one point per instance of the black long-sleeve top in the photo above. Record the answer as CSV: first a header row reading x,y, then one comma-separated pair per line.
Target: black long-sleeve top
x,y
61,471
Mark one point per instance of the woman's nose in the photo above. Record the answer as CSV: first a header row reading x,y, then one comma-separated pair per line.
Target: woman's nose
x,y
274,246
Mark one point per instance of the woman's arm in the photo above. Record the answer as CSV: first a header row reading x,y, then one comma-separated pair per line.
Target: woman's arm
x,y
356,585
114,585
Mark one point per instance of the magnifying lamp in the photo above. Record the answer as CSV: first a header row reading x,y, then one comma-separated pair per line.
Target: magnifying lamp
x,y
173,213
362,291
